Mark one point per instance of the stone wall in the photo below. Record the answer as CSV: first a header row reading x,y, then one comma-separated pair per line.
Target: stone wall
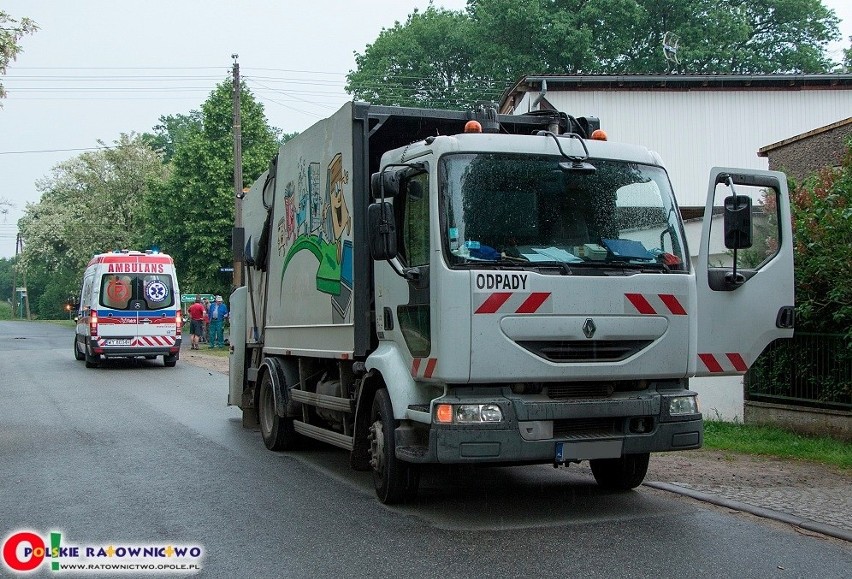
x,y
810,421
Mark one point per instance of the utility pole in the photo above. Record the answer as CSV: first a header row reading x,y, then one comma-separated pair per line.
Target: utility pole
x,y
15,278
238,180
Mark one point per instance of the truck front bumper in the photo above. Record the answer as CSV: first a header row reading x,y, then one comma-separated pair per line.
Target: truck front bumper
x,y
561,432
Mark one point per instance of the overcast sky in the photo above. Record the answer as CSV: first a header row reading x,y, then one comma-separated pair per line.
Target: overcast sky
x,y
99,68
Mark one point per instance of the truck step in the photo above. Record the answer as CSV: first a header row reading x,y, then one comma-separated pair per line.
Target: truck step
x,y
322,400
321,434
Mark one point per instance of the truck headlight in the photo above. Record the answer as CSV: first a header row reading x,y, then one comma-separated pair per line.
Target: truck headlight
x,y
468,413
680,405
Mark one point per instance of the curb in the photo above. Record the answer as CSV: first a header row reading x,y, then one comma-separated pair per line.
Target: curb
x,y
800,522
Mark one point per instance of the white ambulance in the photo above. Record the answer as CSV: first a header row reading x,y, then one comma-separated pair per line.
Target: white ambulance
x,y
129,307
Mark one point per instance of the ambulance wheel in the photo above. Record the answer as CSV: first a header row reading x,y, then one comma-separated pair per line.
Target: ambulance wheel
x,y
620,474
92,361
396,481
78,355
170,361
278,432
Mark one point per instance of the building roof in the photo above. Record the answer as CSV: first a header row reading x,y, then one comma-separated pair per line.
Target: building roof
x,y
764,151
673,82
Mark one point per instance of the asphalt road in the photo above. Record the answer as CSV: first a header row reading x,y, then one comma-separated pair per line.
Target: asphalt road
x,y
139,454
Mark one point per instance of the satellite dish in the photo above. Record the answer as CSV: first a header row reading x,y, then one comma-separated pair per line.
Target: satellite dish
x,y
670,42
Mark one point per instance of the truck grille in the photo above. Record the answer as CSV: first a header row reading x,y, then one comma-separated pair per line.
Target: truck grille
x,y
587,428
585,350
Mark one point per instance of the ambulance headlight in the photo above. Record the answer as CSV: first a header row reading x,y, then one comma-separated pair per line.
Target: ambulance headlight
x,y
682,405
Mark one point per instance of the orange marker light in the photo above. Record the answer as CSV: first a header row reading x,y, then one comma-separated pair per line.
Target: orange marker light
x,y
472,127
444,413
599,135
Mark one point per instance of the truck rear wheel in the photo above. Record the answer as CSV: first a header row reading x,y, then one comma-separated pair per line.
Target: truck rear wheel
x,y
621,474
277,431
170,360
396,481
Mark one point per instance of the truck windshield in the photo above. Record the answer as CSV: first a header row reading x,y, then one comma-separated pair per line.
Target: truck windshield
x,y
524,209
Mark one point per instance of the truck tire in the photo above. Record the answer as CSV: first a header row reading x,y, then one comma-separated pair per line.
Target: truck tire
x,y
78,355
620,474
396,481
170,361
277,431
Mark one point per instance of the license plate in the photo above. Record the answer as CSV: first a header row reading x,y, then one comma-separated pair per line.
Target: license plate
x,y
588,450
118,342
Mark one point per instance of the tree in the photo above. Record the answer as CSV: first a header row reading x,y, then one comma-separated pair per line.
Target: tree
x,y
192,214
822,214
426,62
91,203
454,58
11,31
172,130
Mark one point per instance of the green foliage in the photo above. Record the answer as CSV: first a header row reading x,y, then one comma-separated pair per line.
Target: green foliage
x,y
772,441
822,217
11,31
172,129
7,275
91,203
452,59
191,215
426,62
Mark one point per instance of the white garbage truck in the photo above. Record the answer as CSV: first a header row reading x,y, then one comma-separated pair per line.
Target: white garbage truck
x,y
449,287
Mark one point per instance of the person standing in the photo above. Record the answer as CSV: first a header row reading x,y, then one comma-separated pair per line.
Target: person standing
x,y
218,313
196,321
205,334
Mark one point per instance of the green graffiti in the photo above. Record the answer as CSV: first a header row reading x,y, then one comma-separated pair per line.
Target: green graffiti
x,y
329,270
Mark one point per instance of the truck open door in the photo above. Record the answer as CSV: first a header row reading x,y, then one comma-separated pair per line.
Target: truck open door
x,y
744,272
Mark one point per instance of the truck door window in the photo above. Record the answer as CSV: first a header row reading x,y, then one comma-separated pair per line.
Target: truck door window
x,y
413,244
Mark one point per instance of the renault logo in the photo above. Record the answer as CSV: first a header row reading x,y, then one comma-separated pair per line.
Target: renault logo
x,y
589,327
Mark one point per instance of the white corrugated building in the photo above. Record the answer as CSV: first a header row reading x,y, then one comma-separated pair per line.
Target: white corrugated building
x,y
694,122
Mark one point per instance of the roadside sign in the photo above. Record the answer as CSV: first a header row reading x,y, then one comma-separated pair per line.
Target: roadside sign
x,y
188,298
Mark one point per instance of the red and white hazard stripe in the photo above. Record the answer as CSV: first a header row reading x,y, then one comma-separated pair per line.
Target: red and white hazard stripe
x,y
153,341
423,367
651,304
514,303
718,363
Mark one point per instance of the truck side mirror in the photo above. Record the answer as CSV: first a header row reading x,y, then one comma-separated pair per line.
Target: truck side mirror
x,y
382,231
390,179
737,219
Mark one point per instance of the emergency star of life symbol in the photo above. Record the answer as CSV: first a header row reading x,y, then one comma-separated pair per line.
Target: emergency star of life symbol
x,y
156,291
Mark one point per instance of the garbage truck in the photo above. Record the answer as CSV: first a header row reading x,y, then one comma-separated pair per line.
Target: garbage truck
x,y
429,287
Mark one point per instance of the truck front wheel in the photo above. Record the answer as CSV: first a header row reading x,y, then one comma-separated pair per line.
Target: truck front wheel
x,y
277,431
621,474
395,480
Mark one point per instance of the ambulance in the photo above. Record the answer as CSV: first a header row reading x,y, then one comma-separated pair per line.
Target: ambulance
x,y
129,308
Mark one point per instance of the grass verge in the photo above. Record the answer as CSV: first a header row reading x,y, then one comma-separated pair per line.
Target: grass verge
x,y
772,441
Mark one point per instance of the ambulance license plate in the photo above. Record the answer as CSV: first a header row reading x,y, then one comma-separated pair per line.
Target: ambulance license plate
x,y
587,450
122,342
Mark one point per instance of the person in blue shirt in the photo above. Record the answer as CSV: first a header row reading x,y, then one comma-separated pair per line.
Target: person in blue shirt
x,y
217,313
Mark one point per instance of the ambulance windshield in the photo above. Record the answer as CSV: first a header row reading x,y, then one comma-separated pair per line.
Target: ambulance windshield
x,y
523,209
132,291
